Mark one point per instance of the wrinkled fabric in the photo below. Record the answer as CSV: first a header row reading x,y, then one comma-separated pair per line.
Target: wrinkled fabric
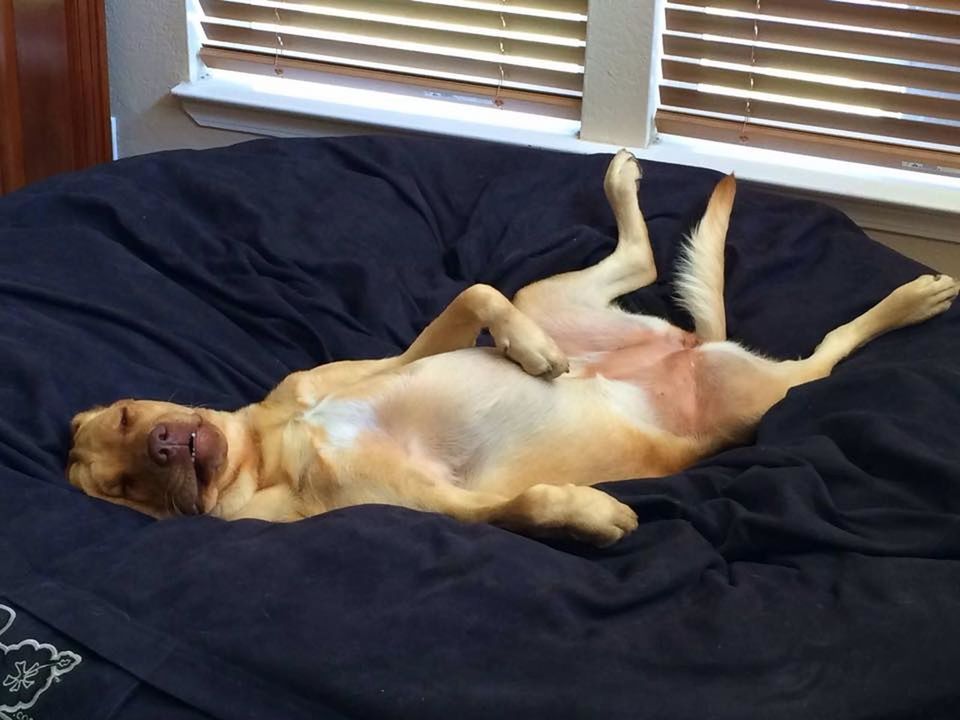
x,y
813,574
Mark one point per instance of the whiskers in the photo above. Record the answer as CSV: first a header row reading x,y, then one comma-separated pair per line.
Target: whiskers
x,y
173,496
170,502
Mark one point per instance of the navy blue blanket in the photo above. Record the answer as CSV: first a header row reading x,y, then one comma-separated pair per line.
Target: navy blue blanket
x,y
814,574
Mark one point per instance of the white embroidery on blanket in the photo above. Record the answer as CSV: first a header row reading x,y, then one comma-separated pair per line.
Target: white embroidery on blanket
x,y
27,670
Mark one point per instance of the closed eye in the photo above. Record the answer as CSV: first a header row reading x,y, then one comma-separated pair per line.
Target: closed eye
x,y
124,418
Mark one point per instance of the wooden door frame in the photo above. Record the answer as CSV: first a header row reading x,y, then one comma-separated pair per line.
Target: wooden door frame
x,y
87,50
54,90
11,136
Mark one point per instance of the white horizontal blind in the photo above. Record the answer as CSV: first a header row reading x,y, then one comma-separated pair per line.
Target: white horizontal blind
x,y
508,51
869,80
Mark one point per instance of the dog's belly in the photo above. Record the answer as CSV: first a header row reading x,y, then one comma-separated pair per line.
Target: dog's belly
x,y
666,367
466,409
470,414
472,410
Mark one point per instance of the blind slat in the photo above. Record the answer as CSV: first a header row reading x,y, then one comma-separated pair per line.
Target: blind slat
x,y
901,19
535,8
437,42
800,59
892,100
407,61
829,121
770,31
873,152
381,13
419,86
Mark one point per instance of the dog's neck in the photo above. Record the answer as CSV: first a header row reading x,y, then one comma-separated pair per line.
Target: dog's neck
x,y
253,464
237,481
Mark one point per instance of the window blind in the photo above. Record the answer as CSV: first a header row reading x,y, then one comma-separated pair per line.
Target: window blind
x,y
507,52
865,80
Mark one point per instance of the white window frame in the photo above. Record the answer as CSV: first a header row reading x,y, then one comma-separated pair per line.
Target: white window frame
x,y
620,99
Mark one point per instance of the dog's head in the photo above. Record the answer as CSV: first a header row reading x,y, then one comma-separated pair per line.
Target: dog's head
x,y
159,458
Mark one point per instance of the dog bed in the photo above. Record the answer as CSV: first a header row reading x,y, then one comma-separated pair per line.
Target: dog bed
x,y
813,574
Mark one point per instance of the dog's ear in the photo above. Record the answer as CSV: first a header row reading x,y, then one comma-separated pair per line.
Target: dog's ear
x,y
81,417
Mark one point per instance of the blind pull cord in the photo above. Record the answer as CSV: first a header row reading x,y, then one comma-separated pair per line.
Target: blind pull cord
x,y
277,70
497,100
747,108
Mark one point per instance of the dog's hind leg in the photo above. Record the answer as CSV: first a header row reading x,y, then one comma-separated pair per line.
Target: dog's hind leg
x,y
542,510
576,308
630,266
910,304
576,511
381,471
737,388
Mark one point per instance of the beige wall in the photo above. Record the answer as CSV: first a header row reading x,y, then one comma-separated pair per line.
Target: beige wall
x,y
941,256
147,47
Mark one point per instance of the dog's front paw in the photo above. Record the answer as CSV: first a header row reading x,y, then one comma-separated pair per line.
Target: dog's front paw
x,y
530,347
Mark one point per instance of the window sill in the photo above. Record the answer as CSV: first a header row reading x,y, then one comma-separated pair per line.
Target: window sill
x,y
899,201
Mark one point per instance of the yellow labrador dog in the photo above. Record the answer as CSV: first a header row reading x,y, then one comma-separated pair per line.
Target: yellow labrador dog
x,y
587,393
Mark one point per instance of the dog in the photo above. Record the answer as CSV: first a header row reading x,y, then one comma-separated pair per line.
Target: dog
x,y
576,392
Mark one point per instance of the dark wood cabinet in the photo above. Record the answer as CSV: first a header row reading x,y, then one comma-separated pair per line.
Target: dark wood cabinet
x,y
54,92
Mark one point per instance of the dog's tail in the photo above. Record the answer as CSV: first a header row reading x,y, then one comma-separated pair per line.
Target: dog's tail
x,y
699,278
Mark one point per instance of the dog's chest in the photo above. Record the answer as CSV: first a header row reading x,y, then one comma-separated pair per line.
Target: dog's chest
x,y
392,423
343,421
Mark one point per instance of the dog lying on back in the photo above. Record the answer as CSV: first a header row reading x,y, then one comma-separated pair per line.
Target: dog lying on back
x,y
587,393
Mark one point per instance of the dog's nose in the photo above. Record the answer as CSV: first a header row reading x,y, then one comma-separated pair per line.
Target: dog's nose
x,y
159,445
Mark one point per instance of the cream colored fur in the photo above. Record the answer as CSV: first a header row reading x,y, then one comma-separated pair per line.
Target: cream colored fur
x,y
699,281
